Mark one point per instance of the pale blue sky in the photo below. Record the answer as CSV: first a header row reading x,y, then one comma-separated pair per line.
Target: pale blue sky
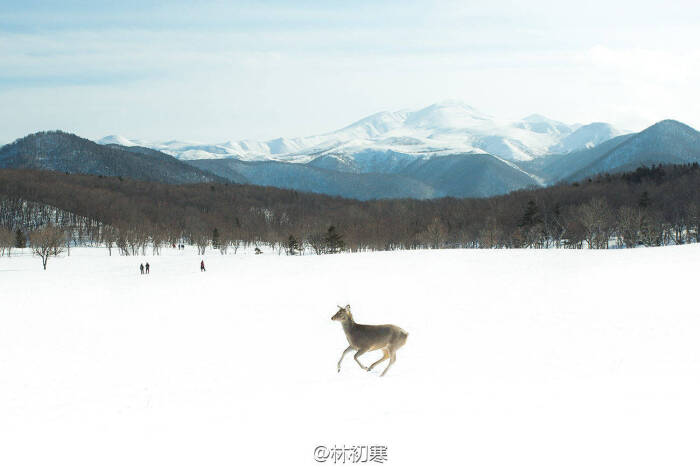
x,y
214,71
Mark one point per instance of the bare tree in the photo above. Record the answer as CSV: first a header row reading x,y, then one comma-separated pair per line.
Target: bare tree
x,y
201,239
47,241
159,237
67,238
436,233
491,234
694,221
317,243
629,224
595,218
109,237
7,241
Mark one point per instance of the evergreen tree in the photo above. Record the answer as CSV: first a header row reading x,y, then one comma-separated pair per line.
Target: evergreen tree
x,y
334,241
292,246
215,239
644,200
531,215
20,239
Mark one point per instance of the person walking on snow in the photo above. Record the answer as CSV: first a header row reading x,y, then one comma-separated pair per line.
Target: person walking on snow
x,y
201,267
141,267
148,268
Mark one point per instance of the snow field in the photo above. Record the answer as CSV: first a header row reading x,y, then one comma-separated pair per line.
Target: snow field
x,y
515,357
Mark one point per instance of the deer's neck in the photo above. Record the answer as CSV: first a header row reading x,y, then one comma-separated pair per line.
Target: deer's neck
x,y
348,326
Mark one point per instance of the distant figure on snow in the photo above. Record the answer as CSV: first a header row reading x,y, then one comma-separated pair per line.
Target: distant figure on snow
x,y
201,266
141,267
148,268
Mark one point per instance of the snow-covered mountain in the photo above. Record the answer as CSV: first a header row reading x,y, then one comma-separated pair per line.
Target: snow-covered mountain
x,y
586,137
68,153
665,142
446,149
445,128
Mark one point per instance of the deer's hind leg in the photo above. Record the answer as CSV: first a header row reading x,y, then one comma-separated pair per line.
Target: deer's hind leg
x,y
386,355
392,353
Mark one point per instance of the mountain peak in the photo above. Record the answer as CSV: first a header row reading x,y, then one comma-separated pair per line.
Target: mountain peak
x,y
116,139
374,125
537,118
455,103
450,114
669,124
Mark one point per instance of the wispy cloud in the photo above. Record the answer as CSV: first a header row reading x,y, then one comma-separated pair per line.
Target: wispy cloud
x,y
221,70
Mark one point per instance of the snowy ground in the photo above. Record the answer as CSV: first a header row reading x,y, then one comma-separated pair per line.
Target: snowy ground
x,y
515,358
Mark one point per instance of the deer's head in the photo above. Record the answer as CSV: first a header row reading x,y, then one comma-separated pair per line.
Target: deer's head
x,y
343,314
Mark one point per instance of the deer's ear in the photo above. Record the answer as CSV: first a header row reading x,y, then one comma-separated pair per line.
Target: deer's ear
x,y
347,307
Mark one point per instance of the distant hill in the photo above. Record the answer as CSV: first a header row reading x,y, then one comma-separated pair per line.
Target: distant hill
x,y
666,142
65,152
391,176
469,175
305,177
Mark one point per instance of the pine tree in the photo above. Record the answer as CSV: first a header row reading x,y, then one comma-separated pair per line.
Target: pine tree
x,y
292,246
644,200
20,239
531,215
215,239
334,241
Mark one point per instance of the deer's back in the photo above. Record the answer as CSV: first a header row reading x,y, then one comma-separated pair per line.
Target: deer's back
x,y
372,337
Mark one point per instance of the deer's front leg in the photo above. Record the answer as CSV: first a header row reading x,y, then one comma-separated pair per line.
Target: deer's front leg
x,y
357,354
343,355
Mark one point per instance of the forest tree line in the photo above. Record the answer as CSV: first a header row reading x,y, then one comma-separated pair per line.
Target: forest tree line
x,y
652,206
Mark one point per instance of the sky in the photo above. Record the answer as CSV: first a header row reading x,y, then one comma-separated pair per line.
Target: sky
x,y
218,71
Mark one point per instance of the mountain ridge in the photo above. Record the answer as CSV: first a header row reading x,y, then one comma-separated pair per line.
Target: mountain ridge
x,y
665,142
443,128
69,153
370,173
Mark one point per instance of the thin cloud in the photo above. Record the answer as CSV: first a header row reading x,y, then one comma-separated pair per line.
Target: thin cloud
x,y
215,71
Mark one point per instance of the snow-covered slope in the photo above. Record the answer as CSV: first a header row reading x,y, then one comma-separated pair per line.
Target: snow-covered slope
x,y
586,137
449,127
514,358
666,142
118,139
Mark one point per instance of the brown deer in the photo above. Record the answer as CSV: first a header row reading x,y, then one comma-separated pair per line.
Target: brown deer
x,y
365,337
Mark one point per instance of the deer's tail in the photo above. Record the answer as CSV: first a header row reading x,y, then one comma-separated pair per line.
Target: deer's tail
x,y
403,335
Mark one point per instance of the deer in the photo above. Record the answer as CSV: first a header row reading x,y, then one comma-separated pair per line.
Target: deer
x,y
364,338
